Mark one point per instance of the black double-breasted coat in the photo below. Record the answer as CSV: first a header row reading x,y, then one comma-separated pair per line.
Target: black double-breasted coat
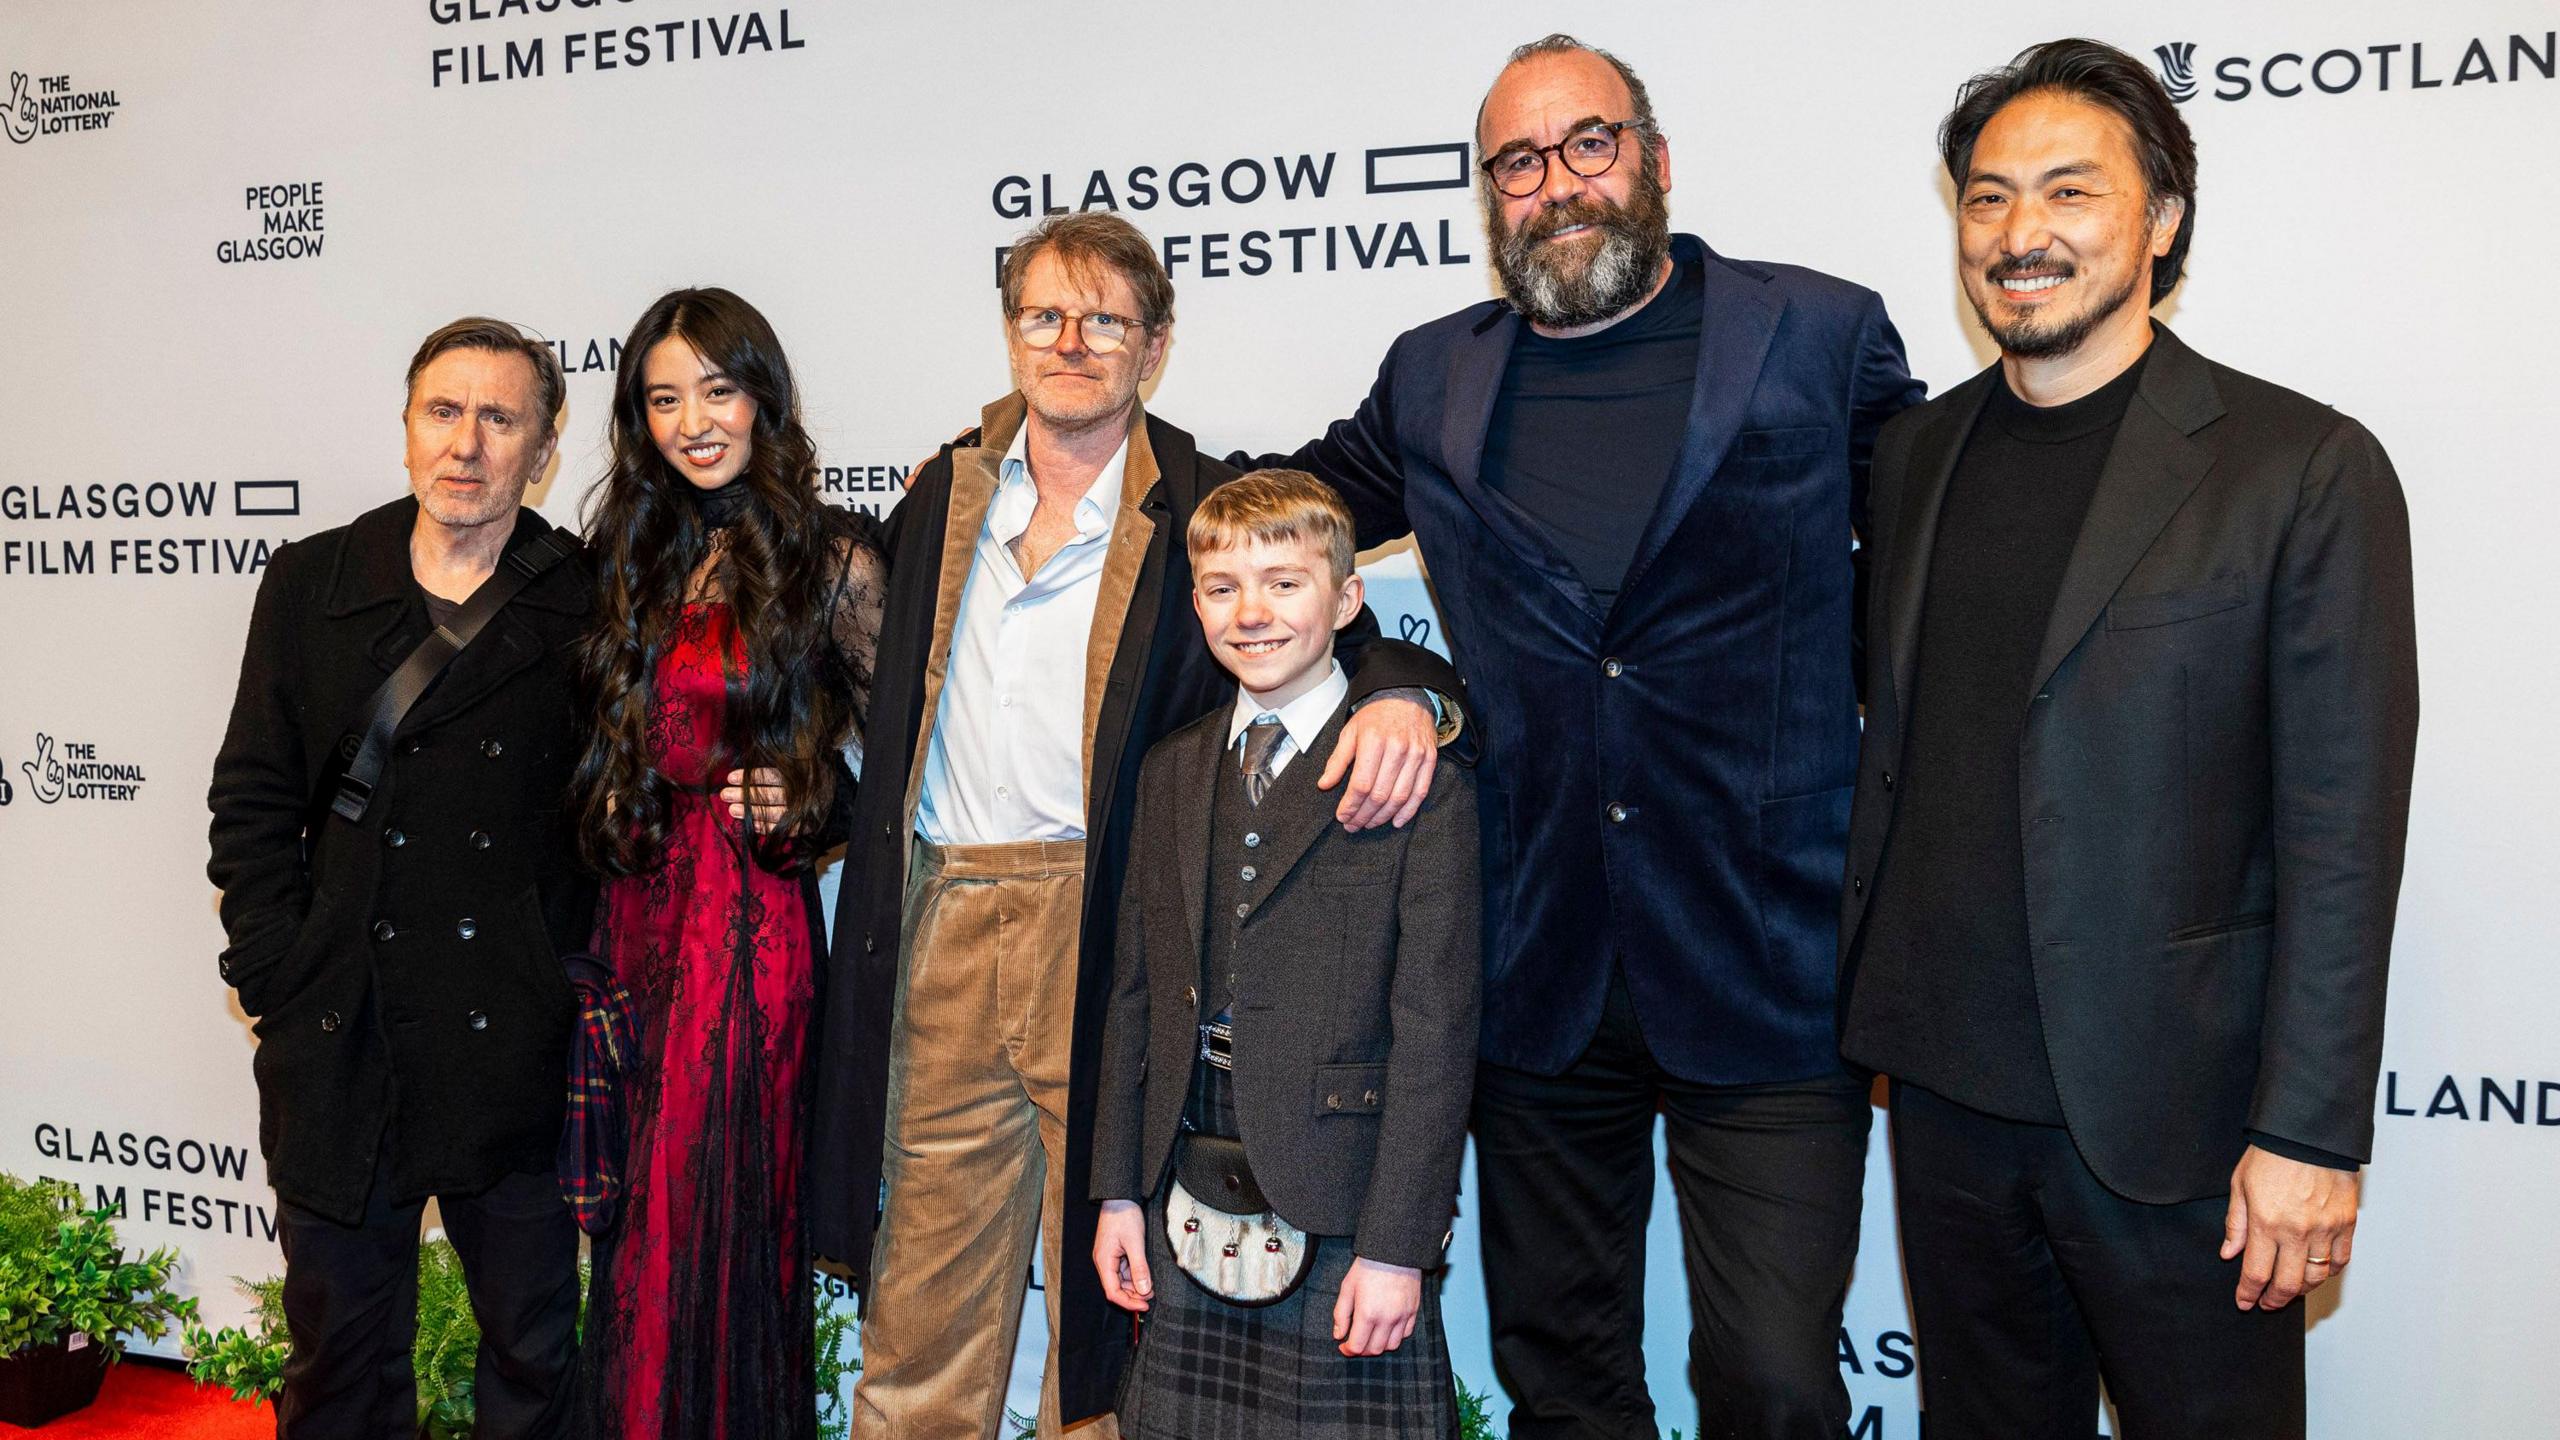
x,y
406,981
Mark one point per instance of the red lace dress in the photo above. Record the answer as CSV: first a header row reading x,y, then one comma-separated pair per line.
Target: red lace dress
x,y
700,1315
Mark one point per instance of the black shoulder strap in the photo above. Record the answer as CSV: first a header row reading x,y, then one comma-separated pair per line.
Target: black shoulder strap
x,y
417,674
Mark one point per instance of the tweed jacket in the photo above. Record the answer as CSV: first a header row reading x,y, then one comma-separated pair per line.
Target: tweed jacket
x,y
1356,1000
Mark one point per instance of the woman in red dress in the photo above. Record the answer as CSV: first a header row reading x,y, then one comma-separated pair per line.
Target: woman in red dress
x,y
728,662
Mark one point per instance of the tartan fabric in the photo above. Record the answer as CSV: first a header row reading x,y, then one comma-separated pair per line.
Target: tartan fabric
x,y
1208,1370
595,1137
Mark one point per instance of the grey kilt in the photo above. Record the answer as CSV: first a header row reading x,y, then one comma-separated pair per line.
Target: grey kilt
x,y
1208,1370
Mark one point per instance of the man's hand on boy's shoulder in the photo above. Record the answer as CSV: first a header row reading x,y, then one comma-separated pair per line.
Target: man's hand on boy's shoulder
x,y
1378,1307
960,441
1389,747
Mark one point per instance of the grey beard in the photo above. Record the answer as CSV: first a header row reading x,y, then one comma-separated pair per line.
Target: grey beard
x,y
1619,274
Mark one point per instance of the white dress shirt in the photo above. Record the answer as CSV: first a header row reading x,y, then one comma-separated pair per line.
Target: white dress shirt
x,y
1301,720
1006,761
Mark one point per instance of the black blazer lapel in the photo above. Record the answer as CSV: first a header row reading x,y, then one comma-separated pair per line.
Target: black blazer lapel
x,y
1294,814
1739,322
2151,470
1476,366
1915,524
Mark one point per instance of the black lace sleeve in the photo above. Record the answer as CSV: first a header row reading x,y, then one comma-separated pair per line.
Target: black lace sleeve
x,y
855,610
857,596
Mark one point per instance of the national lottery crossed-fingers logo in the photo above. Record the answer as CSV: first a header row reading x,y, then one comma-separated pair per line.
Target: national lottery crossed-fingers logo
x,y
52,105
44,772
74,770
20,118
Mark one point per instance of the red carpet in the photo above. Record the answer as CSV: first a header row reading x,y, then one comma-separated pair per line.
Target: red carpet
x,y
143,1399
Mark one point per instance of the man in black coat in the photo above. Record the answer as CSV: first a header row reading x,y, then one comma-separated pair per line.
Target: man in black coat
x,y
412,1014
2141,708
1038,639
1636,481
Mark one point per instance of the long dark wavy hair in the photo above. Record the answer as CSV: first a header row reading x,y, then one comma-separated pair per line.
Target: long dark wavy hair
x,y
793,704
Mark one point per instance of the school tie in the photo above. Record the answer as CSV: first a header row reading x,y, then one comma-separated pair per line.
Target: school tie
x,y
1261,742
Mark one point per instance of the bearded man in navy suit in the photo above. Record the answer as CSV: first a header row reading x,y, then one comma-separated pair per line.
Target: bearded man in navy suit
x,y
1636,481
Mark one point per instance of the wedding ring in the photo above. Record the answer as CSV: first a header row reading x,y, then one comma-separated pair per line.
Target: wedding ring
x,y
2315,1259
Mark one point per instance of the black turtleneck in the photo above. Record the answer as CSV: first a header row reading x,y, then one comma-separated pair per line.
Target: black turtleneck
x,y
1954,1005
1585,432
719,507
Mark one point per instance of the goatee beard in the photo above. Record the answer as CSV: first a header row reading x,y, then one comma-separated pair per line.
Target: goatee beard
x,y
1564,291
2033,338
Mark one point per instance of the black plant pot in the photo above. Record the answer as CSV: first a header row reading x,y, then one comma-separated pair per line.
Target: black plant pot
x,y
47,1382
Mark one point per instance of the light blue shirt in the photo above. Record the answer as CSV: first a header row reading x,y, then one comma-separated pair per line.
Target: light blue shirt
x,y
1301,720
1006,761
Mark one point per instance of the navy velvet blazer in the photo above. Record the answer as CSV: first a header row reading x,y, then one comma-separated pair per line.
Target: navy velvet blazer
x,y
1666,782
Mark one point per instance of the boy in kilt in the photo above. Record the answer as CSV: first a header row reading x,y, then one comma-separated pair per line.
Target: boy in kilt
x,y
1289,1051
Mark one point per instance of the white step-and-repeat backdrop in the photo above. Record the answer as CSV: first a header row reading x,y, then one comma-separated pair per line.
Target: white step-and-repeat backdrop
x,y
224,227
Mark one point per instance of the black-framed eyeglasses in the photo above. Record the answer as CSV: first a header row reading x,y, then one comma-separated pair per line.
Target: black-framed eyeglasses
x,y
1104,333
1520,170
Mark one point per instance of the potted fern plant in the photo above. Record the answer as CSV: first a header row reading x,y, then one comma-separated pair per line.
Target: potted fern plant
x,y
247,1362
68,1297
250,1362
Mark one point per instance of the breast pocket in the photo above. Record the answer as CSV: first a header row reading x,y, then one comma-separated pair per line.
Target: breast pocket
x,y
2169,607
1350,876
1340,860
1778,444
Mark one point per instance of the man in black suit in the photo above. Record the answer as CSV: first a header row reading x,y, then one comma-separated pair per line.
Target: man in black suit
x,y
2141,705
1636,479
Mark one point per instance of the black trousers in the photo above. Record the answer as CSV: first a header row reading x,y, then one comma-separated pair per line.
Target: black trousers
x,y
351,1307
2029,1280
1768,1180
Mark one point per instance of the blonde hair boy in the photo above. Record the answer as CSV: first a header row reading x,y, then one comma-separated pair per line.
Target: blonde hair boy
x,y
1274,506
1271,580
